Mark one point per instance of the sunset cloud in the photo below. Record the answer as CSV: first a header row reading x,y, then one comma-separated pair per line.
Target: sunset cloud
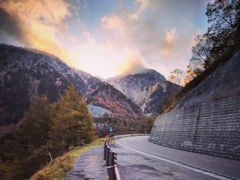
x,y
132,63
143,5
169,42
90,39
170,36
114,23
103,38
163,37
36,24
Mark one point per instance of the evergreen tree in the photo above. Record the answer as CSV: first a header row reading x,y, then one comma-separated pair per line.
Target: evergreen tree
x,y
72,125
88,132
26,153
46,130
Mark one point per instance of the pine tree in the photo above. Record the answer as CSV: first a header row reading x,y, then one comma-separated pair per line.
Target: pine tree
x,y
47,130
88,133
26,154
72,125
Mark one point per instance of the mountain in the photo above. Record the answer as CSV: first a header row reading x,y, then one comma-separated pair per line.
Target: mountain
x,y
147,89
222,82
26,73
110,98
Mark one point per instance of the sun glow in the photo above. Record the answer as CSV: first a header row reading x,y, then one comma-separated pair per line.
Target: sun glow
x,y
101,41
104,60
97,60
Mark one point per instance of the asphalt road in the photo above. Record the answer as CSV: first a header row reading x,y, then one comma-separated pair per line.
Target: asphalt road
x,y
89,166
140,159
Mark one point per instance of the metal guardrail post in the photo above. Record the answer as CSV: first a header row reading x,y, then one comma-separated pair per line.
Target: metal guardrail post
x,y
112,166
111,173
107,156
105,147
112,158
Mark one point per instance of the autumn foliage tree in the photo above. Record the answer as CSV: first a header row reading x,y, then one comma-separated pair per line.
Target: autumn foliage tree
x,y
72,123
47,131
218,45
223,34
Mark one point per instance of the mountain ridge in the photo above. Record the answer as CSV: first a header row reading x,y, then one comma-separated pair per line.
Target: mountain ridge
x,y
147,89
25,74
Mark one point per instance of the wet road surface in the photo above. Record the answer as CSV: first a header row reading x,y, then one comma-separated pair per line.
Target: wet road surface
x,y
140,159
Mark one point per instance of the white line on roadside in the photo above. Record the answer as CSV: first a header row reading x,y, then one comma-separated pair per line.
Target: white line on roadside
x,y
202,171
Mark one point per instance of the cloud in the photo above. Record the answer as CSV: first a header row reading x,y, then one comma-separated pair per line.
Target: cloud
x,y
90,39
170,35
143,5
169,42
145,33
9,25
132,63
36,24
162,32
114,23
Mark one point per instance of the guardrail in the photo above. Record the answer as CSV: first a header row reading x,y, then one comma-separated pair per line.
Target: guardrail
x,y
110,157
128,135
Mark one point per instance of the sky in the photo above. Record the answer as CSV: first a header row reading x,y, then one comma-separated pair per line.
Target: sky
x,y
107,38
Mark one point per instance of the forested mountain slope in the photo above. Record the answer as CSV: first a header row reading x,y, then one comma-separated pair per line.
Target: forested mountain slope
x,y
26,73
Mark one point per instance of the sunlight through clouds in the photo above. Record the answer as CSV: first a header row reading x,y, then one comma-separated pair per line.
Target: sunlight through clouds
x,y
169,38
106,39
39,24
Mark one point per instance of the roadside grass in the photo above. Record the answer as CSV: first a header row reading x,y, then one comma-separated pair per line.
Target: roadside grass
x,y
111,141
58,168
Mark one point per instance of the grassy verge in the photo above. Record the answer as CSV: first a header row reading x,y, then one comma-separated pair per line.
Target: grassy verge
x,y
58,168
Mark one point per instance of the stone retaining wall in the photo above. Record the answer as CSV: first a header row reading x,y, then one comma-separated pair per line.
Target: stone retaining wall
x,y
211,128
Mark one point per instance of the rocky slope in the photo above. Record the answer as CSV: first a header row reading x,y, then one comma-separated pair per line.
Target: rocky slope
x,y
26,73
222,83
147,89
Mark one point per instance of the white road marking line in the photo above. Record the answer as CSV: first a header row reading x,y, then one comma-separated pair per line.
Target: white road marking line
x,y
202,171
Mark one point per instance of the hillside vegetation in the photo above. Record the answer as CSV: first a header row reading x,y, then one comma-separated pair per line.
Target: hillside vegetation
x,y
222,82
58,168
212,52
48,131
26,73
